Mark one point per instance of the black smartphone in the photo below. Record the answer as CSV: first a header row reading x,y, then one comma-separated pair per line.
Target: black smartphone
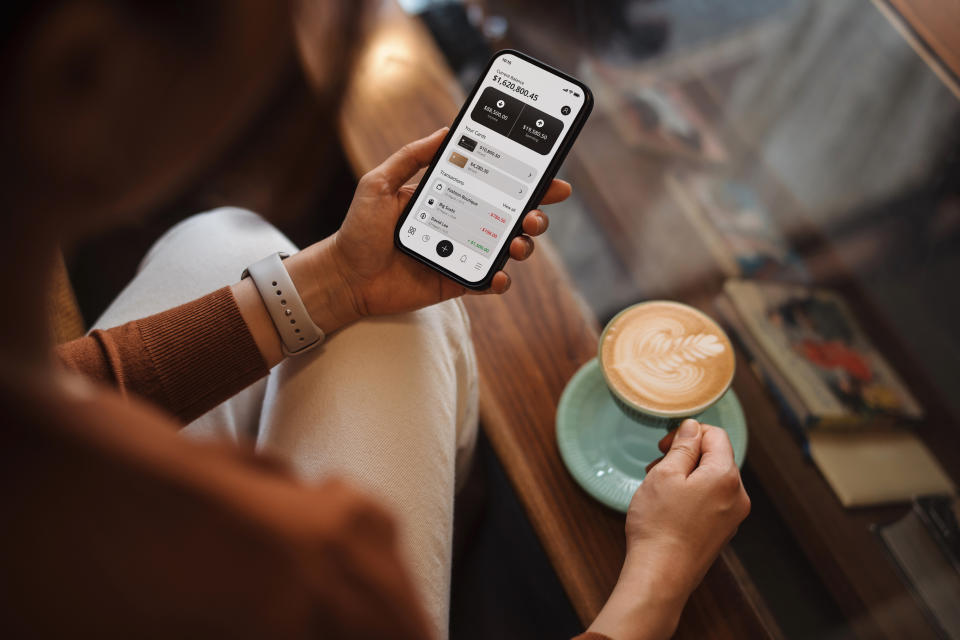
x,y
493,167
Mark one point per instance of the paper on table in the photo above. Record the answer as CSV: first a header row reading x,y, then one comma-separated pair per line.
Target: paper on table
x,y
877,467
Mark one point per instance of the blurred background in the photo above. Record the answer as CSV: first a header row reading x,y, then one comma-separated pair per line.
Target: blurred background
x,y
790,166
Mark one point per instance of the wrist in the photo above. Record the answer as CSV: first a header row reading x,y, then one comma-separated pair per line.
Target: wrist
x,y
325,292
646,602
662,563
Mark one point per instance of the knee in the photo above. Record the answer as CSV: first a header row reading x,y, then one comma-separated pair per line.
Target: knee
x,y
222,220
227,216
226,233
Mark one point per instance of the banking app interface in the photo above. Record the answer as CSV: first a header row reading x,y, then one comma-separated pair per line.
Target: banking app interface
x,y
511,130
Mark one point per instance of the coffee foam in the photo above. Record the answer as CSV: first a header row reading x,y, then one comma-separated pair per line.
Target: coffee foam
x,y
667,358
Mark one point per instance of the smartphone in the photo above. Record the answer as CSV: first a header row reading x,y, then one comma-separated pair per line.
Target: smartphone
x,y
493,167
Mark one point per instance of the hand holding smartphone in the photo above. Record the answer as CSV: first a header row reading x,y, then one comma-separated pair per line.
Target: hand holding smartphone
x,y
494,166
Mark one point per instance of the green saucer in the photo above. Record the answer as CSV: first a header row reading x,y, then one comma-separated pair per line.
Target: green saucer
x,y
607,452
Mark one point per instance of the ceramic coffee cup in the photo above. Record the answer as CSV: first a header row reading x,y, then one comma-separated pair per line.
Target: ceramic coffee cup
x,y
665,361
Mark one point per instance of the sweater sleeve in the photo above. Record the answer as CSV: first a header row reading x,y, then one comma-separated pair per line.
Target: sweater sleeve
x,y
186,360
123,531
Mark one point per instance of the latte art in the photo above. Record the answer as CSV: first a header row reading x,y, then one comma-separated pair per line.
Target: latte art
x,y
659,358
666,357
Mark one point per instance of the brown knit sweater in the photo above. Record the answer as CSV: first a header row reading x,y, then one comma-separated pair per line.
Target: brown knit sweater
x,y
116,526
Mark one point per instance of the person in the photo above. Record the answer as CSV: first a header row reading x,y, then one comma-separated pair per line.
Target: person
x,y
309,496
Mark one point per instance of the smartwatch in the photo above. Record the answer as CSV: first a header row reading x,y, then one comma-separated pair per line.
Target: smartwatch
x,y
297,331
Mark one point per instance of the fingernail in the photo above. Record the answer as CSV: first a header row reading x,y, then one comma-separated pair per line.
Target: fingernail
x,y
541,224
689,428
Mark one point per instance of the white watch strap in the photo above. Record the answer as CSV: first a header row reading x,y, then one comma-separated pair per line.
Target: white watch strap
x,y
297,331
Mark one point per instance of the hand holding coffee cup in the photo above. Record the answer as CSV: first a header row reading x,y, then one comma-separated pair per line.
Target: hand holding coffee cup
x,y
665,361
658,363
679,519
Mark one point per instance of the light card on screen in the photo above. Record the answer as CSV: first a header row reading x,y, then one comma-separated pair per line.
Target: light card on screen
x,y
494,166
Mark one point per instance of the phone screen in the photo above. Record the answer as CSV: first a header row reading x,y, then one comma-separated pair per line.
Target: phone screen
x,y
491,166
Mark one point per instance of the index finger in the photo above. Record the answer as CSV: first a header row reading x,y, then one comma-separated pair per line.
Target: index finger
x,y
409,159
558,191
717,452
666,441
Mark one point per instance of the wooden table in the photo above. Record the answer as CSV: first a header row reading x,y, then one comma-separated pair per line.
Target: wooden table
x,y
529,343
627,192
932,27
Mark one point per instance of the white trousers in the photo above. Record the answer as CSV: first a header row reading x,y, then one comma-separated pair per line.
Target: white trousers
x,y
389,403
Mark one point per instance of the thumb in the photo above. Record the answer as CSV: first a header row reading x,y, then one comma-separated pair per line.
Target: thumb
x,y
412,157
684,452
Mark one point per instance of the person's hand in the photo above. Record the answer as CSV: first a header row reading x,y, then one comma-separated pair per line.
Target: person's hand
x,y
690,504
686,510
358,271
382,279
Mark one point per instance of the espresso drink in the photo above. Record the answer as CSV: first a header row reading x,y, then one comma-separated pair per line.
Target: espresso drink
x,y
666,358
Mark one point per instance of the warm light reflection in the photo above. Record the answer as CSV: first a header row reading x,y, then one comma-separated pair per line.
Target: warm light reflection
x,y
388,52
